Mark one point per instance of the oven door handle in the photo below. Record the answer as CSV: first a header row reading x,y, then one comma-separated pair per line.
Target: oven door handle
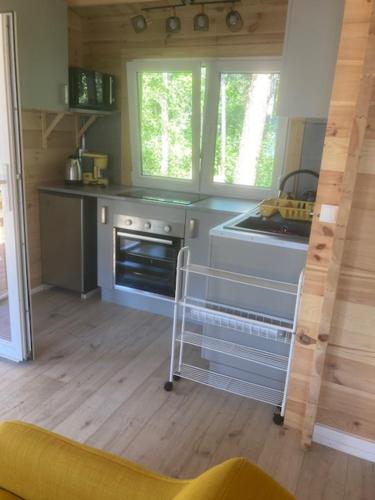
x,y
145,238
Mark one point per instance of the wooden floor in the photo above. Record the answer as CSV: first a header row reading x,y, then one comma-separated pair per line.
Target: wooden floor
x,y
99,376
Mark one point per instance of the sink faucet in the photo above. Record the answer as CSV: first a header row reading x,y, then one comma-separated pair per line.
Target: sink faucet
x,y
292,174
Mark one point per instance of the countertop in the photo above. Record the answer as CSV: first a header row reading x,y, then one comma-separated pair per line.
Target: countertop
x,y
209,204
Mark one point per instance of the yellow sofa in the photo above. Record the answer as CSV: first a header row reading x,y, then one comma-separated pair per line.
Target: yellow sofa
x,y
38,465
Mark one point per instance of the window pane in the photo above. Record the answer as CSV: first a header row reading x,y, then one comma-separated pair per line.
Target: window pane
x,y
166,123
247,129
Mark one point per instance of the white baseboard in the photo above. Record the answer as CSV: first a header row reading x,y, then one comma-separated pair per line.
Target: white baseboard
x,y
40,288
348,443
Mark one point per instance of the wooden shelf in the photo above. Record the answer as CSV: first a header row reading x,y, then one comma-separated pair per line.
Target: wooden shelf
x,y
85,112
51,119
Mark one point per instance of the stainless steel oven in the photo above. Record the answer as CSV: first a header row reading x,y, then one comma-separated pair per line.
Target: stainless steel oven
x,y
145,254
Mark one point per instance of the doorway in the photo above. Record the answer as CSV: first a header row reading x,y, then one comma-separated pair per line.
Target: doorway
x,y
15,322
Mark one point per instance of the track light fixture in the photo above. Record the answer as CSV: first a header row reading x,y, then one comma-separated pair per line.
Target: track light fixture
x,y
139,23
234,20
187,3
173,23
201,21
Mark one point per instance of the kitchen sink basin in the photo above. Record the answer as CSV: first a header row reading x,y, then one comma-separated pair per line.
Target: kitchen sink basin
x,y
276,225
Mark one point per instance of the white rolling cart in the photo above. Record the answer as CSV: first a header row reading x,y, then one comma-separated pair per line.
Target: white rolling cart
x,y
190,311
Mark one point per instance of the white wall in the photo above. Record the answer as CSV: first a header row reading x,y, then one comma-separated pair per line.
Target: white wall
x,y
42,51
309,59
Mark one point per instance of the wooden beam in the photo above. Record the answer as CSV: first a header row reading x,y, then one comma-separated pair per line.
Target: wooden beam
x,y
363,88
48,129
294,148
90,3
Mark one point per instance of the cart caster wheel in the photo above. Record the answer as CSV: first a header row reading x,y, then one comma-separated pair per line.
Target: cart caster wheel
x,y
168,386
176,378
278,419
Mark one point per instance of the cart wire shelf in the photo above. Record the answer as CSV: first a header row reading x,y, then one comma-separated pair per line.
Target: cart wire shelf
x,y
243,279
235,318
225,316
272,360
231,384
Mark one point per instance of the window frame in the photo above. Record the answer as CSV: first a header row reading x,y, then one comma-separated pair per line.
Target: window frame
x,y
236,65
132,70
203,158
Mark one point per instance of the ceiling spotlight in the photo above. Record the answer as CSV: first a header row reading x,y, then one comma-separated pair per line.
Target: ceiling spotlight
x,y
173,23
201,21
234,20
139,23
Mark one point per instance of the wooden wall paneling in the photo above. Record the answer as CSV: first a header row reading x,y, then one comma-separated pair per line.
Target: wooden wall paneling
x,y
264,26
86,3
42,166
348,120
75,39
126,172
108,41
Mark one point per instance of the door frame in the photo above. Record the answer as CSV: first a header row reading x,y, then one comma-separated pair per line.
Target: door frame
x,y
21,348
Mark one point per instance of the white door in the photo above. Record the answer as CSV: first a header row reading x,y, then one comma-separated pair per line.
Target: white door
x,y
15,325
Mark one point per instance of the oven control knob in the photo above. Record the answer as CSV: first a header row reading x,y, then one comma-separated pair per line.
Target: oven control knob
x,y
167,229
147,225
128,222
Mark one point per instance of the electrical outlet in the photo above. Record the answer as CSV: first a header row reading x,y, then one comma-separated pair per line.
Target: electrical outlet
x,y
328,213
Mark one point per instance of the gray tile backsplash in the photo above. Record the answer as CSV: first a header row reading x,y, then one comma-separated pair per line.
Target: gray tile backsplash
x,y
104,136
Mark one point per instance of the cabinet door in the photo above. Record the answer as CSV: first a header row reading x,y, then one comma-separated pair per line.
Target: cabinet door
x,y
105,243
61,240
309,60
198,226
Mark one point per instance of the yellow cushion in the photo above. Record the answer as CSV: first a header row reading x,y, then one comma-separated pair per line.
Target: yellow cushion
x,y
5,495
38,465
235,479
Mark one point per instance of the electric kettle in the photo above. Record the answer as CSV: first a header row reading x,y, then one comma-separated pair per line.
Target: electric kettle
x,y
73,170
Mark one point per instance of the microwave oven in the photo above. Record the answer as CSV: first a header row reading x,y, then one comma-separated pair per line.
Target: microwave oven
x,y
93,90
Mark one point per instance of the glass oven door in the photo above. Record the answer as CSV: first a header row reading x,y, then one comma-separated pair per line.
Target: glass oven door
x,y
146,262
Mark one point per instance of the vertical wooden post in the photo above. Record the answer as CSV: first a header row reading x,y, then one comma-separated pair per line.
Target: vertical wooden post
x,y
348,118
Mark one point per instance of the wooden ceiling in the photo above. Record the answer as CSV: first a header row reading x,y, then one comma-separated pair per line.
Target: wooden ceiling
x,y
113,8
88,3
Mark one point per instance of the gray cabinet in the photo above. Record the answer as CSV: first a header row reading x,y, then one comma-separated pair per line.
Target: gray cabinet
x,y
105,243
309,59
198,226
42,39
68,241
269,258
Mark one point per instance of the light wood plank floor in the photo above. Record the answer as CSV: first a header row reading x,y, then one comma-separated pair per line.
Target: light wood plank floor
x,y
99,376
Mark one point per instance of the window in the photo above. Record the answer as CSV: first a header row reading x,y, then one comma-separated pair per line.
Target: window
x,y
208,125
166,123
165,113
246,129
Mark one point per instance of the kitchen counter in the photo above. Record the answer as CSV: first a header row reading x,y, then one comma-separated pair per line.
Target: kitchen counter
x,y
209,204
223,231
221,204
